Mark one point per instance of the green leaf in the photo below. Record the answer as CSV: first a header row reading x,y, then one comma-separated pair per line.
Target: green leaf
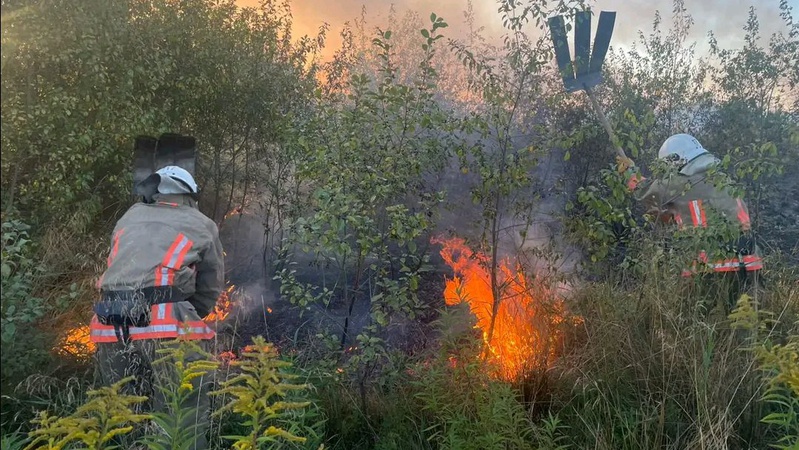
x,y
9,329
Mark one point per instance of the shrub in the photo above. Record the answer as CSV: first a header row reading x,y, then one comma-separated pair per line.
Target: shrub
x,y
23,349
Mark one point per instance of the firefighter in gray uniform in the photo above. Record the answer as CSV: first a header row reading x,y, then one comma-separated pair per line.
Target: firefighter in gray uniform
x,y
689,199
165,272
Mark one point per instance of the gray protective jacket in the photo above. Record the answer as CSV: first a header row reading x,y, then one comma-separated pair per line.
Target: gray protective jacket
x,y
168,243
689,199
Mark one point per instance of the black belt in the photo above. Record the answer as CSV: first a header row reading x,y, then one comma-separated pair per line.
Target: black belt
x,y
133,306
154,295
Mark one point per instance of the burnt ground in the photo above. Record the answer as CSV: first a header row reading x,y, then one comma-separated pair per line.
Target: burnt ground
x,y
776,214
259,309
250,256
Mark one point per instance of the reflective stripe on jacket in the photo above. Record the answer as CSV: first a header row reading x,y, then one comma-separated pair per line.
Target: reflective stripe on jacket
x,y
167,243
689,199
750,263
164,324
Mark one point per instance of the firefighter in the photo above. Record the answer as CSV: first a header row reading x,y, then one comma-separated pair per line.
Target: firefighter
x,y
165,272
690,199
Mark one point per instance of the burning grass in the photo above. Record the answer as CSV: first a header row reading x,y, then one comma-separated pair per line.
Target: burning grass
x,y
526,325
223,307
76,343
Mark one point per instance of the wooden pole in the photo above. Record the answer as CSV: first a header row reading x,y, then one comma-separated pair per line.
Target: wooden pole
x,y
605,122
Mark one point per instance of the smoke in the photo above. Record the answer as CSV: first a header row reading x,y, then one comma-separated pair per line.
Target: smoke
x,y
724,18
245,239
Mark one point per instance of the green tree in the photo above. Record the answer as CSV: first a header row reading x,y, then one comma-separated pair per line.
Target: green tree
x,y
80,81
511,91
367,153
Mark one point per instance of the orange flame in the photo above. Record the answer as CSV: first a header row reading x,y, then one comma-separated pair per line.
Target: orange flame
x,y
525,326
76,343
237,210
226,357
223,306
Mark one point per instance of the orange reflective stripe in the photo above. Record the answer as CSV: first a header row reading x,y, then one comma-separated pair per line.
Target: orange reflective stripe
x,y
158,313
750,263
743,215
116,242
730,265
753,262
111,255
182,254
164,325
697,213
195,329
162,314
179,247
114,247
165,272
172,204
172,248
101,333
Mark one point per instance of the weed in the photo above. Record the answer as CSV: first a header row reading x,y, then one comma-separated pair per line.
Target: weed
x,y
258,394
106,415
180,421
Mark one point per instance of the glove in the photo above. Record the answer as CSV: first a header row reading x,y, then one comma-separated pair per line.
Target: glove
x,y
624,164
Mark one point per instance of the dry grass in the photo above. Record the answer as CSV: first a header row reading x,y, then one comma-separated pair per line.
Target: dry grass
x,y
652,372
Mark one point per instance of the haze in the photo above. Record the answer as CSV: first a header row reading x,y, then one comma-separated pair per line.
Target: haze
x,y
725,18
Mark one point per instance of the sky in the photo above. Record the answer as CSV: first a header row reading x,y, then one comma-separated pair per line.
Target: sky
x,y
725,18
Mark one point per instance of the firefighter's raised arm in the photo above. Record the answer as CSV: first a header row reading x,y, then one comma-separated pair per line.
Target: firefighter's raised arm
x,y
652,194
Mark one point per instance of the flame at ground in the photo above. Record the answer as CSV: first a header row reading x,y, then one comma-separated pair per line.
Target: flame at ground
x,y
223,306
525,328
76,343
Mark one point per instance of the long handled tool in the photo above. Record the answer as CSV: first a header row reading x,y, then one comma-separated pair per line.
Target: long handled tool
x,y
586,71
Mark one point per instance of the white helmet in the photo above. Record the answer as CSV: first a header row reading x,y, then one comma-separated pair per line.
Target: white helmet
x,y
176,180
681,149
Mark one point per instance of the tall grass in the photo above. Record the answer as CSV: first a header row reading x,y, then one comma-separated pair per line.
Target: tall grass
x,y
645,368
656,371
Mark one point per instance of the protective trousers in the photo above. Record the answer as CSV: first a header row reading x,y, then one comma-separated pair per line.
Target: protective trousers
x,y
118,360
725,288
